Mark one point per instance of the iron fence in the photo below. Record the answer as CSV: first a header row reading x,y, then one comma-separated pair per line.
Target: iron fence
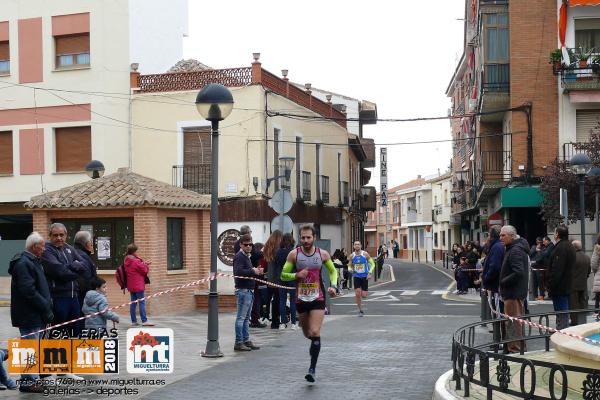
x,y
195,177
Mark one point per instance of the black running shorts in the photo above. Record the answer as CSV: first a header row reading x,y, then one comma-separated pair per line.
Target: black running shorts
x,y
361,283
304,306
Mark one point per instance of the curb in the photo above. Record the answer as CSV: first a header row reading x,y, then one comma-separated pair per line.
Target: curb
x,y
449,296
441,392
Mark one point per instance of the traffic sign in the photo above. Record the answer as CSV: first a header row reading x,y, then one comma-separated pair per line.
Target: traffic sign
x,y
282,201
283,223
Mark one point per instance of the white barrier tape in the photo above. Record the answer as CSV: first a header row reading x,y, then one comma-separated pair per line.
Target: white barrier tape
x,y
157,294
540,326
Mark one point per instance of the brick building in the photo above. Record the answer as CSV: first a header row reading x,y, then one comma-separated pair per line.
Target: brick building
x,y
505,109
170,225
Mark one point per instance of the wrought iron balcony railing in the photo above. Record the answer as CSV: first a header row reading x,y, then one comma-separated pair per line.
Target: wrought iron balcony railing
x,y
324,189
306,194
195,177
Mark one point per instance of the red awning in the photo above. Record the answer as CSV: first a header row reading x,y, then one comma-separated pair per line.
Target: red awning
x,y
574,3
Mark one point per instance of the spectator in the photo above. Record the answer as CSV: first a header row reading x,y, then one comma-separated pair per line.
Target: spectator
x,y
536,285
85,248
381,254
94,302
271,247
63,269
30,300
513,283
136,270
595,264
258,261
462,277
244,292
396,248
5,380
287,245
491,268
579,290
542,263
560,274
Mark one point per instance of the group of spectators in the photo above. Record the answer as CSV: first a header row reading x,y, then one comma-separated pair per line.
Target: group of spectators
x,y
53,282
502,266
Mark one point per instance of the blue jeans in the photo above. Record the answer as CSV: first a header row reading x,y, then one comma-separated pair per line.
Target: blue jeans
x,y
4,379
561,303
244,297
67,309
29,379
282,301
136,296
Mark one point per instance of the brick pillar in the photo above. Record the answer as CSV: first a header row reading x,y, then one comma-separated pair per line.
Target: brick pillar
x,y
256,72
531,80
41,223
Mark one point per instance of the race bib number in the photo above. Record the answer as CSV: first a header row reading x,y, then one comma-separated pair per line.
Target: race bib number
x,y
308,291
359,268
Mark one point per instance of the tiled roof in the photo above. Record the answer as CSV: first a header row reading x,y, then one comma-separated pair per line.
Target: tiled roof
x,y
407,185
121,189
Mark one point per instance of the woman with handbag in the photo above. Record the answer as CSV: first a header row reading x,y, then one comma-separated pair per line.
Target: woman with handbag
x,y
136,270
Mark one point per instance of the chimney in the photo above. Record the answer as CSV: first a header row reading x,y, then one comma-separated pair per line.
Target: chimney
x,y
134,76
256,69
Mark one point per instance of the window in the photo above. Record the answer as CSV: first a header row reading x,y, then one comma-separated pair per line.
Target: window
x,y
72,50
325,189
4,58
586,121
496,52
446,203
587,33
175,243
419,204
114,233
435,239
73,148
6,153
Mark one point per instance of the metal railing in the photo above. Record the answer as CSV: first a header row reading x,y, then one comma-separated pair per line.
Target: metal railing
x,y
493,373
306,194
496,77
194,177
194,80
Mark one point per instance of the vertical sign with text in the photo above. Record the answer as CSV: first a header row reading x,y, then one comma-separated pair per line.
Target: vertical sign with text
x,y
383,175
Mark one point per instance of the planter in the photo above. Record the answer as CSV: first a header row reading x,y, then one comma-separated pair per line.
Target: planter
x,y
583,63
570,77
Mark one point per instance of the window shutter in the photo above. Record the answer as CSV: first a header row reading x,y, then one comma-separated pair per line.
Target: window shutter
x,y
586,121
73,148
4,51
74,44
6,153
197,146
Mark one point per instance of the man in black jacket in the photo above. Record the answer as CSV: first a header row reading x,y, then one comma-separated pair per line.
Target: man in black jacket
x,y
63,267
560,274
579,289
514,282
30,301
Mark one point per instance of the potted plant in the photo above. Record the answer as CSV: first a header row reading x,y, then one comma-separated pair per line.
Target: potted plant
x,y
582,55
556,59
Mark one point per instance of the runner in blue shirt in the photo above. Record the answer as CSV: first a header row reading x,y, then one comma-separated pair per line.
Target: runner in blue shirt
x,y
361,274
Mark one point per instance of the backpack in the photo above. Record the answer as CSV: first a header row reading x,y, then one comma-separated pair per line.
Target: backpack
x,y
121,276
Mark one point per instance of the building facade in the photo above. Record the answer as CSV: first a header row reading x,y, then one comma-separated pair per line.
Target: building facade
x,y
504,116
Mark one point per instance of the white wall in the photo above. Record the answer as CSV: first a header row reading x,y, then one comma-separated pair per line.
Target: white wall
x,y
157,29
567,111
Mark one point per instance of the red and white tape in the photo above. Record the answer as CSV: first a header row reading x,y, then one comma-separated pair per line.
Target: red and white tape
x,y
157,294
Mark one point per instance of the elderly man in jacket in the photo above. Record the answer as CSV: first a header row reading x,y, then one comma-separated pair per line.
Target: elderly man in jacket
x,y
30,301
514,282
491,267
579,290
560,274
63,269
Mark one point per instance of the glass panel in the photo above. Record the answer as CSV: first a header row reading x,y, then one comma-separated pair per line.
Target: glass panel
x,y
4,66
83,59
491,19
503,44
491,44
502,19
174,243
123,237
65,60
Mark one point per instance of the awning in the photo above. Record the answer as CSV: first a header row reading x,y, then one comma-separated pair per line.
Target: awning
x,y
526,196
575,3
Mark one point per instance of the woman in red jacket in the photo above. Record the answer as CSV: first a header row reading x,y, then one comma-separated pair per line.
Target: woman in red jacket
x,y
137,276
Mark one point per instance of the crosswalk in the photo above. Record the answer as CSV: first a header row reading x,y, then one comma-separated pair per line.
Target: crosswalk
x,y
393,293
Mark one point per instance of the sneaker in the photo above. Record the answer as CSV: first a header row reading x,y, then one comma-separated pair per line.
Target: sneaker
x,y
147,323
257,325
2,387
311,376
361,313
32,388
135,323
251,345
74,377
282,327
294,327
241,347
11,385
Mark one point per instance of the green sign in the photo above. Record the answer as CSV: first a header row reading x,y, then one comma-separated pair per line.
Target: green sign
x,y
526,196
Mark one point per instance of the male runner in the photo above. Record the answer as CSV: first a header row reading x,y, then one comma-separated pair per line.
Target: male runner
x,y
304,266
361,274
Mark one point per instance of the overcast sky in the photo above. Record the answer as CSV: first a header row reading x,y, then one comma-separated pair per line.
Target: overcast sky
x,y
398,54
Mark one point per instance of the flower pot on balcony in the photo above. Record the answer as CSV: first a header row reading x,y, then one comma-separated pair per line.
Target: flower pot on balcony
x,y
570,76
583,63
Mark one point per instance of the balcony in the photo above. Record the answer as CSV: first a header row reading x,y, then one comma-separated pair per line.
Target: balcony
x,y
196,177
306,194
495,90
324,189
580,78
345,195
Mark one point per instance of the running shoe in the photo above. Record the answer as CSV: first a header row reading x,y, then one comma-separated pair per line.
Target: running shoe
x,y
361,313
282,327
311,376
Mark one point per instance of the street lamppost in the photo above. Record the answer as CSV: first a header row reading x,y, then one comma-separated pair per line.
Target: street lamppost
x,y
595,173
214,103
581,165
288,164
94,169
